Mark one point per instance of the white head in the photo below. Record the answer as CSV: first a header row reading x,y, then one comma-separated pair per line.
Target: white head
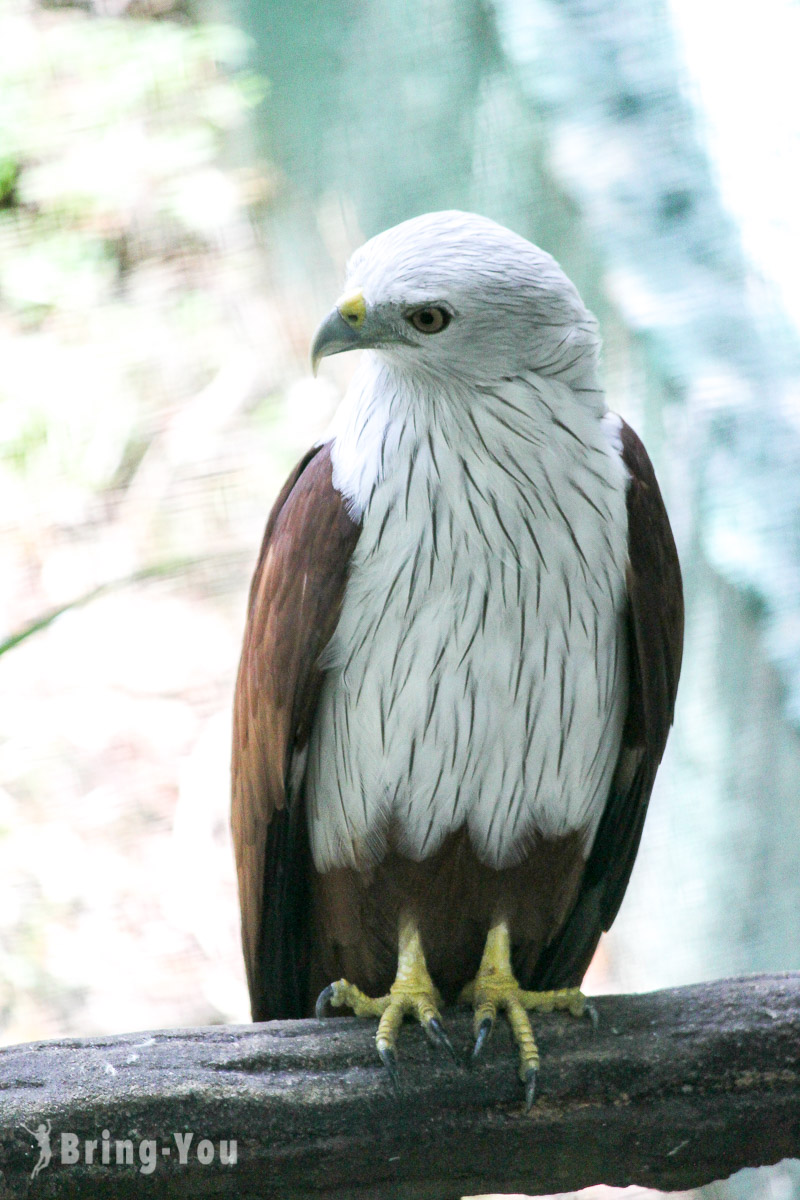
x,y
456,294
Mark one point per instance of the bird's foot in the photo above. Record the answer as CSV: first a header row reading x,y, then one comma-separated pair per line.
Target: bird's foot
x,y
412,993
495,989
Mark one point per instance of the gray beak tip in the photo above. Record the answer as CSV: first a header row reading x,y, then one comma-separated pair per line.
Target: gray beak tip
x,y
334,336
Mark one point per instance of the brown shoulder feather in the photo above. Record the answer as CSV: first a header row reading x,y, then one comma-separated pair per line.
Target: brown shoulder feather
x,y
295,601
655,648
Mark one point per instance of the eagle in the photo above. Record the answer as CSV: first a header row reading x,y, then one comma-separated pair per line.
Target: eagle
x,y
461,655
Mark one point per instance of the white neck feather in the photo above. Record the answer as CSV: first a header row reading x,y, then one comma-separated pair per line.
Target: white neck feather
x,y
388,415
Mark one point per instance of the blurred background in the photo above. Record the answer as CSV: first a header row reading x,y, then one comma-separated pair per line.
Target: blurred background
x,y
181,182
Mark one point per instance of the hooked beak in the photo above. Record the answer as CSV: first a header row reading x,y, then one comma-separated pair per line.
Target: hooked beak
x,y
341,329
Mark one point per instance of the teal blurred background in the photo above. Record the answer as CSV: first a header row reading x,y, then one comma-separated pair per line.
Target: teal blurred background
x,y
180,186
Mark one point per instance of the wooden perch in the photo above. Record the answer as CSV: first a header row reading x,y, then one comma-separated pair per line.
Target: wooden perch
x,y
676,1088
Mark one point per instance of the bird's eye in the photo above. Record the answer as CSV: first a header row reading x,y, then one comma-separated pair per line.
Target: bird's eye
x,y
430,319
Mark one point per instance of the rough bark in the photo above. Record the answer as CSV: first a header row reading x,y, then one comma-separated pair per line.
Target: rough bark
x,y
675,1088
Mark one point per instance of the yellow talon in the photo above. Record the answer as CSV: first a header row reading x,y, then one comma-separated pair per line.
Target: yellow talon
x,y
571,1000
495,988
413,993
346,995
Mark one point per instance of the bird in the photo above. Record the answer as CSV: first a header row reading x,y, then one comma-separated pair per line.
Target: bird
x,y
461,656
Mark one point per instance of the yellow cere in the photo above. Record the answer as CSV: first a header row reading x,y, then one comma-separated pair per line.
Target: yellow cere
x,y
353,308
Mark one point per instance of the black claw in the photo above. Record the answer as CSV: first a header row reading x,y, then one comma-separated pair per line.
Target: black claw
x,y
389,1060
594,1016
323,1000
438,1036
530,1088
484,1029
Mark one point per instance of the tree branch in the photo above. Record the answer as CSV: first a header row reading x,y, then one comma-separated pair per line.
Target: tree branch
x,y
676,1088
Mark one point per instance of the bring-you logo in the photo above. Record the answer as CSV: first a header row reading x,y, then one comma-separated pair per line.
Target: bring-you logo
x,y
143,1153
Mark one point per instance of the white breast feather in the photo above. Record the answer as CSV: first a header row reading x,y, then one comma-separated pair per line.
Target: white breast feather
x,y
478,675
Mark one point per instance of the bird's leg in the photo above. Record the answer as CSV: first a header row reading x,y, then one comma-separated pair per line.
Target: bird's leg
x,y
495,988
413,993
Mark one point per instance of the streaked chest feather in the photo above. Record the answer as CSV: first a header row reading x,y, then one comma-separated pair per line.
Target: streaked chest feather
x,y
477,676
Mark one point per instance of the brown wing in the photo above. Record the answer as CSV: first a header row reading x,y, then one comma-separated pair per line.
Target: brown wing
x,y
295,600
655,632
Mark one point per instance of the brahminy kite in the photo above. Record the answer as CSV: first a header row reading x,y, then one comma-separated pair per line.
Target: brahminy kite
x,y
462,651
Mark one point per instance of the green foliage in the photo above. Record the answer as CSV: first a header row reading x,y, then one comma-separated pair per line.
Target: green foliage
x,y
113,208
